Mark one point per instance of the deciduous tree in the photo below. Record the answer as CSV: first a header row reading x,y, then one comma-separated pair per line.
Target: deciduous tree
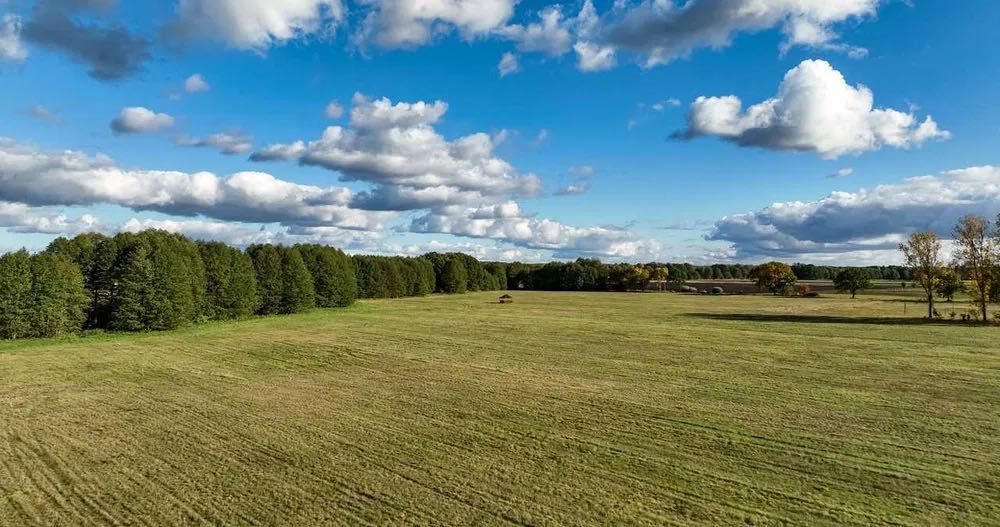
x,y
15,291
775,277
58,302
976,253
297,293
922,253
949,284
852,280
267,269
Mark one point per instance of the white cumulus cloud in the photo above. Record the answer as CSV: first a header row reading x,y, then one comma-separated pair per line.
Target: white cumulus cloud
x,y
255,24
411,23
395,147
196,83
549,35
816,110
139,120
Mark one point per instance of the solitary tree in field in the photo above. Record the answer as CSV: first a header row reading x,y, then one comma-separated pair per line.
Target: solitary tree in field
x,y
976,252
950,284
852,280
776,277
922,253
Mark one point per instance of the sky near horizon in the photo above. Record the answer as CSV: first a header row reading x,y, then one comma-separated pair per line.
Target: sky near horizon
x,y
706,131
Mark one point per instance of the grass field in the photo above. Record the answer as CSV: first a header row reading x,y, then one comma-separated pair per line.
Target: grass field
x,y
562,408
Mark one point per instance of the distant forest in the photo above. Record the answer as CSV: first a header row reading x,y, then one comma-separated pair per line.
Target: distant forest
x,y
155,280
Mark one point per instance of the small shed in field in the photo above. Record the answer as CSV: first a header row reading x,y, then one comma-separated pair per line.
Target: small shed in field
x,y
506,299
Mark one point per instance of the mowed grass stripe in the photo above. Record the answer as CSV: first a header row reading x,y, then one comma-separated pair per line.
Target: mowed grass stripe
x,y
562,408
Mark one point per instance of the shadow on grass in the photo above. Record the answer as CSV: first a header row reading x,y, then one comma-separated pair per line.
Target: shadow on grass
x,y
825,319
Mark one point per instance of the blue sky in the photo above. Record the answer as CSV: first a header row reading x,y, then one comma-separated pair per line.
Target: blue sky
x,y
597,145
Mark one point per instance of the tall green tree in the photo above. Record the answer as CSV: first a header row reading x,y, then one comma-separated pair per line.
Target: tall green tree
x,y
81,249
58,302
15,295
160,282
101,283
297,293
454,277
230,282
333,275
370,277
268,271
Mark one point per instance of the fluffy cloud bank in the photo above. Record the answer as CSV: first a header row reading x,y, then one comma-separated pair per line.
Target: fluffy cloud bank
x,y
34,183
815,111
67,178
848,224
665,30
506,222
395,147
21,218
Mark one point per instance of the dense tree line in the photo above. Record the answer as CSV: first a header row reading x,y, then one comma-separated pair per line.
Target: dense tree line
x,y
460,273
155,280
592,275
875,272
393,276
584,274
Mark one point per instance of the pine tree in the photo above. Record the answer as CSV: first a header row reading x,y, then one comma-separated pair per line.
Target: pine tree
x,y
15,291
297,294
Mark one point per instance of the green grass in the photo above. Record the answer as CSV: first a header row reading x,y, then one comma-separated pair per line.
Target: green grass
x,y
562,408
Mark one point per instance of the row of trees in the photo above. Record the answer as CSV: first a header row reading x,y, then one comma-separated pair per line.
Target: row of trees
x,y
976,258
585,274
155,280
